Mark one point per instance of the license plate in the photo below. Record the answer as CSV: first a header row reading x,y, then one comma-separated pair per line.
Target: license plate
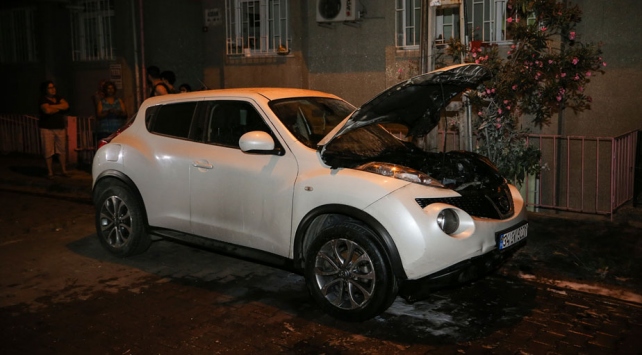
x,y
511,236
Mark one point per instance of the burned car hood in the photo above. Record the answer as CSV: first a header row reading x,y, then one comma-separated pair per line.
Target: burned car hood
x,y
364,144
415,103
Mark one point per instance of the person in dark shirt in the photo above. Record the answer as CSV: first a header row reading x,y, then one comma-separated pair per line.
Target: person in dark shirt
x,y
53,126
169,78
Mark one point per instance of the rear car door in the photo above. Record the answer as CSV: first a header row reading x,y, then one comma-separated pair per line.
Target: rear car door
x,y
163,172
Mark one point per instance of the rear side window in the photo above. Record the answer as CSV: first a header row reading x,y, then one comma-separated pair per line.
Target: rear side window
x,y
171,119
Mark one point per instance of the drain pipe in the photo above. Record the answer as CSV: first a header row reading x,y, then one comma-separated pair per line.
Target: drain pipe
x,y
141,30
469,121
424,53
136,67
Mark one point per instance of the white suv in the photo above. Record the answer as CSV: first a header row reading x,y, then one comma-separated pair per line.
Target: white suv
x,y
299,178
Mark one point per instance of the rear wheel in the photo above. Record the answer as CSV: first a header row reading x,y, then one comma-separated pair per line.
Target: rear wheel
x,y
348,275
120,221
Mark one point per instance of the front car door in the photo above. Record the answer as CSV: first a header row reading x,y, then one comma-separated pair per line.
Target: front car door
x,y
237,197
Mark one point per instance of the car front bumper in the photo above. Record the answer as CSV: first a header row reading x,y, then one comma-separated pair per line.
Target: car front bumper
x,y
457,274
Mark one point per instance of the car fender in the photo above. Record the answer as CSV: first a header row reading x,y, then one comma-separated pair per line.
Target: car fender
x,y
311,225
320,186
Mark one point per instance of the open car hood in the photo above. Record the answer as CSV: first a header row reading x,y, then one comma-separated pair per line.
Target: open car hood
x,y
361,143
415,103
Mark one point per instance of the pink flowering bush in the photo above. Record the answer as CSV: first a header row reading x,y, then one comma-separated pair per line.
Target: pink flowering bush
x,y
545,71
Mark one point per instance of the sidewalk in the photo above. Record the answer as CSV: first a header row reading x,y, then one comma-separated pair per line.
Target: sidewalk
x,y
584,252
587,254
27,173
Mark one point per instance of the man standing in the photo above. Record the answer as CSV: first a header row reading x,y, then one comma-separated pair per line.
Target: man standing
x,y
53,133
157,84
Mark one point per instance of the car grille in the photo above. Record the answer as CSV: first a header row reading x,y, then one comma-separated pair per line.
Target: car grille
x,y
479,203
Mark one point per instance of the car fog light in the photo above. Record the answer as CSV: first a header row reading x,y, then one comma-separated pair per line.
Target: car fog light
x,y
448,221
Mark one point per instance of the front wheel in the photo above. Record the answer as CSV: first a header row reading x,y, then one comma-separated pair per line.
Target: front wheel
x,y
120,221
348,275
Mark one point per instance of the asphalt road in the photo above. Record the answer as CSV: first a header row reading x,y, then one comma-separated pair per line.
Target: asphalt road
x,y
61,293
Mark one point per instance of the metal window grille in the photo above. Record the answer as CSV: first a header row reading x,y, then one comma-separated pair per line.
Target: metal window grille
x,y
486,20
91,30
256,27
408,20
17,36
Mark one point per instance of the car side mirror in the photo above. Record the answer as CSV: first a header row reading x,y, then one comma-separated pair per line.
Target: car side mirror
x,y
258,142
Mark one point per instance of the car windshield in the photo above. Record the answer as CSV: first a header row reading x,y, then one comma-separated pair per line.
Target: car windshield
x,y
364,144
310,119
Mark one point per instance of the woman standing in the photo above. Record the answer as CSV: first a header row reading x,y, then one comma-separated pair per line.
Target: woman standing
x,y
111,112
53,126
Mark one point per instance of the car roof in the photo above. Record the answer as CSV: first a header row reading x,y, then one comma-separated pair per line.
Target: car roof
x,y
270,93
276,93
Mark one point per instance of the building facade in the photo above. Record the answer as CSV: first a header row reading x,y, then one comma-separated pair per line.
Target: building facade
x,y
351,48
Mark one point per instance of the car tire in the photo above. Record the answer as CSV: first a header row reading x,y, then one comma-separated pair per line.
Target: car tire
x,y
120,221
348,274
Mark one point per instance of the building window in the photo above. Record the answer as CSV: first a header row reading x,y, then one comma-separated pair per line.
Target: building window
x,y
17,36
408,20
91,30
486,20
447,24
408,24
257,27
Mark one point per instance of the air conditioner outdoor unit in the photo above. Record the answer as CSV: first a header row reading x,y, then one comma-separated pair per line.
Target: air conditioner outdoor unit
x,y
336,10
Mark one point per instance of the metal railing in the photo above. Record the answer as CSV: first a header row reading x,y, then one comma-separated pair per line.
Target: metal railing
x,y
20,134
593,175
623,168
81,137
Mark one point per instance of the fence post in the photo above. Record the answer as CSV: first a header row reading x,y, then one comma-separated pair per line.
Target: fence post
x,y
72,140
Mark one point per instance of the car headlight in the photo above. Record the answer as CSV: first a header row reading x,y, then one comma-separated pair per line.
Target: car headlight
x,y
400,172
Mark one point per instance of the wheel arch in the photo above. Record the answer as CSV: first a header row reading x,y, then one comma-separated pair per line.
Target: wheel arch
x,y
123,178
322,216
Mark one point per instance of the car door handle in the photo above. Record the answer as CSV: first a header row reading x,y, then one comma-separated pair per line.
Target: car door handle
x,y
203,164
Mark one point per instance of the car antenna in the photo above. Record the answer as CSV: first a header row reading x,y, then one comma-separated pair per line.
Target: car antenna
x,y
203,86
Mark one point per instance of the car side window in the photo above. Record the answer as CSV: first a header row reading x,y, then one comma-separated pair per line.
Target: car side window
x,y
228,120
171,119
